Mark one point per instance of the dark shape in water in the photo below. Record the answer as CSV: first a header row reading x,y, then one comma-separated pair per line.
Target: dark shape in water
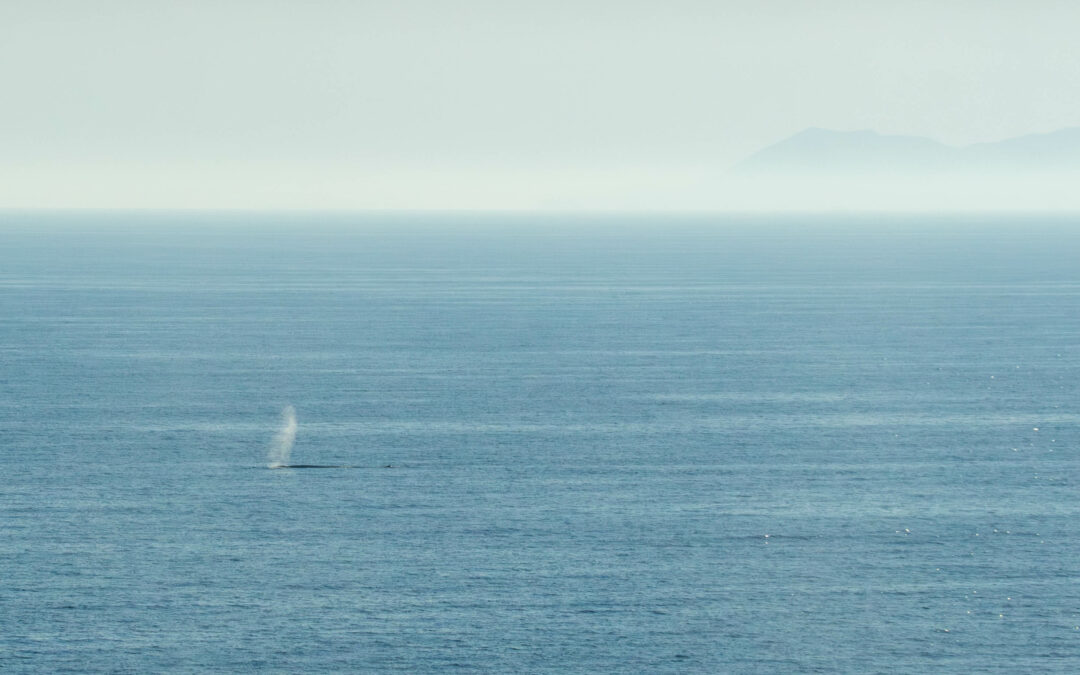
x,y
311,466
322,466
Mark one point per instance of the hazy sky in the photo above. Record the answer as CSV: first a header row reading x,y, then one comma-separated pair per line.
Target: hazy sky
x,y
500,104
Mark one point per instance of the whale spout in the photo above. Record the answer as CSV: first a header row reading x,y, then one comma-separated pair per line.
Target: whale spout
x,y
281,448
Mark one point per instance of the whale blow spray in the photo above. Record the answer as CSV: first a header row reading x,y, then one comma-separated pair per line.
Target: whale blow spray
x,y
281,448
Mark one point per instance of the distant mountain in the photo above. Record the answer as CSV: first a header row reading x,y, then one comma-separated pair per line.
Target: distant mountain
x,y
1055,151
824,152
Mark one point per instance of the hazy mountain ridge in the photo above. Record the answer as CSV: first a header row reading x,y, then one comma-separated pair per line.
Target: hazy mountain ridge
x,y
823,151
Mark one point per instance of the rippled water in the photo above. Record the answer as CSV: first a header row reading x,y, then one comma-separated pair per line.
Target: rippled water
x,y
617,444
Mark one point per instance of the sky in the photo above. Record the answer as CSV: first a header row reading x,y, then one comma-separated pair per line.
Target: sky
x,y
504,104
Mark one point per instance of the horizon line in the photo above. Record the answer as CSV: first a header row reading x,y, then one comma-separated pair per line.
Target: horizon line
x,y
518,211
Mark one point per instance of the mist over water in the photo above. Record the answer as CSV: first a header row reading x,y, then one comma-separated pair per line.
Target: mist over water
x,y
282,446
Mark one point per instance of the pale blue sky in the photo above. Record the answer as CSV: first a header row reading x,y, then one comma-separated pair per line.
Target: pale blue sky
x,y
492,104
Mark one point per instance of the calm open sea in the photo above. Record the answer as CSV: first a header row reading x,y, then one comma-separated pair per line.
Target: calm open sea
x,y
618,444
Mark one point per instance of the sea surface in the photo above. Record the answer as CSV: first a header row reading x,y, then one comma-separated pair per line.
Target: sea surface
x,y
604,444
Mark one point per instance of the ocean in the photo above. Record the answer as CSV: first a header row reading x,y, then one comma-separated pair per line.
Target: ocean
x,y
561,443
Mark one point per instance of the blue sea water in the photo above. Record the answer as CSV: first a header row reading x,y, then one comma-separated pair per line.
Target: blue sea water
x,y
618,444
